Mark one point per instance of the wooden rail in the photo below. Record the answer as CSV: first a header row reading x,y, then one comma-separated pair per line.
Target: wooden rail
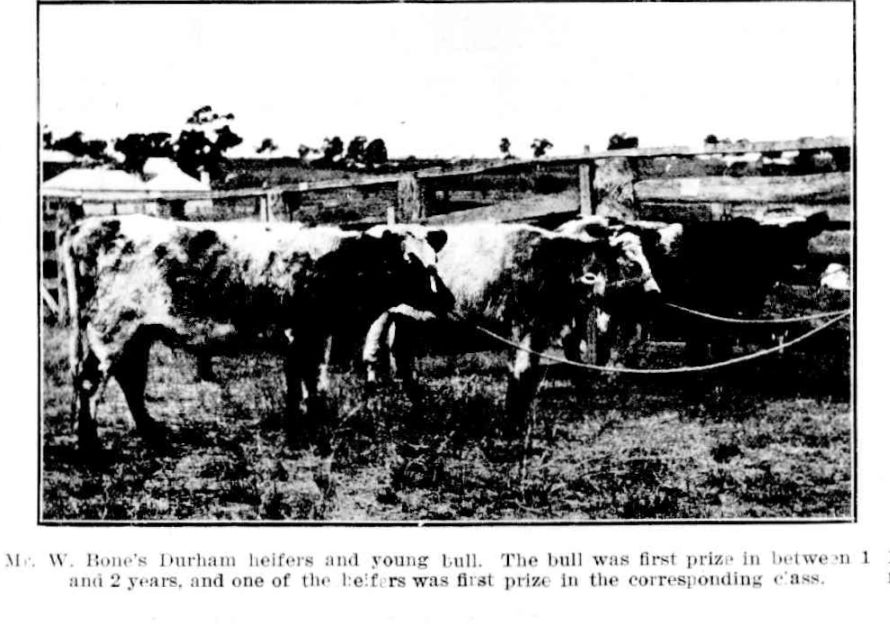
x,y
719,149
413,189
129,196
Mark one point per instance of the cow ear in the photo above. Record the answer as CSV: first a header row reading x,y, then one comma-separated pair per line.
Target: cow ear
x,y
437,239
817,223
597,229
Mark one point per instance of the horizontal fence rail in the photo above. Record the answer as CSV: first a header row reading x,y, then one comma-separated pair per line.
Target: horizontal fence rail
x,y
440,174
413,190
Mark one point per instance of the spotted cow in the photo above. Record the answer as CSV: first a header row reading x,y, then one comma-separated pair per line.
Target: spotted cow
x,y
520,282
202,286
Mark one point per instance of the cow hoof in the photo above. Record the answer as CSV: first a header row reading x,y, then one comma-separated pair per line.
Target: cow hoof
x,y
412,390
155,436
512,428
207,377
91,453
298,436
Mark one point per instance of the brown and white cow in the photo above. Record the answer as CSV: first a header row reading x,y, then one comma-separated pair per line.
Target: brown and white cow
x,y
136,280
520,282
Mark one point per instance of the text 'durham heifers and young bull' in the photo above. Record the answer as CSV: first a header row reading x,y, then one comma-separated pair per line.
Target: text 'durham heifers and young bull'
x,y
199,286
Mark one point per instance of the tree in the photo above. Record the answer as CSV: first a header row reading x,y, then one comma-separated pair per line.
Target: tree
x,y
137,148
711,139
193,153
355,153
375,153
505,148
304,150
332,148
267,145
540,147
622,141
206,115
75,144
202,145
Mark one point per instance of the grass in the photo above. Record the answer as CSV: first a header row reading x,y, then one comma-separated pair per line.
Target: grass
x,y
771,440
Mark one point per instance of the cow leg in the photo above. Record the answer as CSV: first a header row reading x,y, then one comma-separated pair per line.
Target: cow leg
x,y
389,342
131,372
402,339
317,384
204,366
294,405
607,332
571,340
308,384
573,337
523,383
375,352
634,338
89,376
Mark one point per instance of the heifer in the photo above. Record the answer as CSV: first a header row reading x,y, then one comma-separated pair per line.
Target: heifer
x,y
136,280
517,281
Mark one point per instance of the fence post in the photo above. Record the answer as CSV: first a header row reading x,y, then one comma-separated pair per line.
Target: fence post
x,y
269,203
51,291
293,201
584,189
410,199
76,211
613,184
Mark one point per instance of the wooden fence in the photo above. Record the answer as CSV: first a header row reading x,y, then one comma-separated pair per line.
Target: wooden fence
x,y
413,192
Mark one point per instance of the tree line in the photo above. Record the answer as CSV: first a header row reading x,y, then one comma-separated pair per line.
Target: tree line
x,y
202,144
540,146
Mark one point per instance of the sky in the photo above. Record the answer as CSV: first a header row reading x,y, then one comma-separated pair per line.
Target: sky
x,y
451,80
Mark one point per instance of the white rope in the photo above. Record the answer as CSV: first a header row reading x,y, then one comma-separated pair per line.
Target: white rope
x,y
744,321
655,371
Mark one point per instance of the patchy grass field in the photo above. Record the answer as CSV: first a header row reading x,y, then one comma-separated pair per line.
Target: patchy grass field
x,y
766,440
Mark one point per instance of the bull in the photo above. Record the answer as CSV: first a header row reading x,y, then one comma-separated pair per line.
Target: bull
x,y
202,286
724,268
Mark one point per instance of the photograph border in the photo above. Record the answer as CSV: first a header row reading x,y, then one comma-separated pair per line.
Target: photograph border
x,y
854,441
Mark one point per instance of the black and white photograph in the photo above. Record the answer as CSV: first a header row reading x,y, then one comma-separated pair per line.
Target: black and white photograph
x,y
446,263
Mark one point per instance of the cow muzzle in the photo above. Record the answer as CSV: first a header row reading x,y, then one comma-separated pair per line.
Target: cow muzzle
x,y
650,286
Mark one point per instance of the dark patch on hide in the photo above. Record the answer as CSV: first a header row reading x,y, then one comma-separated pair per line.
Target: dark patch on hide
x,y
209,280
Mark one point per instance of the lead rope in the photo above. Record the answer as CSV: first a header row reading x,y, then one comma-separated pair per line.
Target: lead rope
x,y
655,371
744,321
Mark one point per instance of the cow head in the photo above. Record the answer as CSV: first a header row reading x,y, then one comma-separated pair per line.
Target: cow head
x,y
634,268
789,239
622,263
409,277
